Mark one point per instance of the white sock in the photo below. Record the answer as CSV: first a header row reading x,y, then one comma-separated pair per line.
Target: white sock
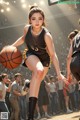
x,y
45,113
38,113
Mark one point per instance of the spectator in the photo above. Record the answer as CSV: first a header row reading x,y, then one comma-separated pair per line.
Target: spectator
x,y
53,96
14,97
3,88
43,99
23,102
62,104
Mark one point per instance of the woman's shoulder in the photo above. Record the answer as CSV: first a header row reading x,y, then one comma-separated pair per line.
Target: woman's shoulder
x,y
47,32
26,28
45,29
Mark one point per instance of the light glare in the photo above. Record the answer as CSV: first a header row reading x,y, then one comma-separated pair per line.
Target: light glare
x,y
8,9
1,1
2,10
22,1
41,2
7,3
24,5
35,4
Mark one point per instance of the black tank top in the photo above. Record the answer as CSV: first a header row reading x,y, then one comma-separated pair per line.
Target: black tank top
x,y
76,44
36,44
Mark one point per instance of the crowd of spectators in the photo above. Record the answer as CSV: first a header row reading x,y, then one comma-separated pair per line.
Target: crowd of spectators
x,y
51,100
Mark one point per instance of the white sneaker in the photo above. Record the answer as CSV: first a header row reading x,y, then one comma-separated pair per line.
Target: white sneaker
x,y
54,113
38,117
69,111
47,116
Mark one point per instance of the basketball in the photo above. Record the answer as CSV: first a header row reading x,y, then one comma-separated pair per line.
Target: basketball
x,y
10,57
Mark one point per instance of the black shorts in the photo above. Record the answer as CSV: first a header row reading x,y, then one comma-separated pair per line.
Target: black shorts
x,y
75,66
43,100
44,58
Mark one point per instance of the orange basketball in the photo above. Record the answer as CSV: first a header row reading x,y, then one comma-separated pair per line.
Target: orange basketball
x,y
10,57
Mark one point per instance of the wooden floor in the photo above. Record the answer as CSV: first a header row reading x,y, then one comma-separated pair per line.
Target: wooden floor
x,y
71,116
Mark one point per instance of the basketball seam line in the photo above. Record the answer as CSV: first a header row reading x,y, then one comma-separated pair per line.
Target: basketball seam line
x,y
2,57
8,59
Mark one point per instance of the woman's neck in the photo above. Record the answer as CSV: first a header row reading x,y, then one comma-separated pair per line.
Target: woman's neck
x,y
36,31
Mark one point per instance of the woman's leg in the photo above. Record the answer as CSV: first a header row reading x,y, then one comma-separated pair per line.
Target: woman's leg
x,y
38,73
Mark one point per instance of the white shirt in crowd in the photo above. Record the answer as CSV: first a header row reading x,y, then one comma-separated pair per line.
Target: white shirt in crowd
x,y
3,88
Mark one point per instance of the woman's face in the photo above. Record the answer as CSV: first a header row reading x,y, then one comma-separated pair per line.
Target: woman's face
x,y
36,20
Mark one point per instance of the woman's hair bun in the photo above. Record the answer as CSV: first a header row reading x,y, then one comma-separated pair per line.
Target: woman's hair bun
x,y
76,31
33,6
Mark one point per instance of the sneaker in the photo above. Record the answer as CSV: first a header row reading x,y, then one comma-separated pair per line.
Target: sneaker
x,y
47,116
38,117
69,111
54,113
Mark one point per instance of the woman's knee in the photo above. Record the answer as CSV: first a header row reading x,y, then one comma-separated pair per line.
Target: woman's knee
x,y
40,73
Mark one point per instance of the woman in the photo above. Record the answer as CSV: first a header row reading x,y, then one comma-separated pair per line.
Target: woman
x,y
40,48
73,59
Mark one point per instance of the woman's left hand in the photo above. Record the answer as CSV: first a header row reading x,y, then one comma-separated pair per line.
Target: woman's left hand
x,y
64,79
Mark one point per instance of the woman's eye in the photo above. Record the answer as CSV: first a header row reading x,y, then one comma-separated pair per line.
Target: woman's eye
x,y
40,18
33,18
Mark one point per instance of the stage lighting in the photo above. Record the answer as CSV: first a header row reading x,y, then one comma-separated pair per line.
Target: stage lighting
x,y
4,5
2,10
42,3
3,2
24,6
22,1
8,9
7,3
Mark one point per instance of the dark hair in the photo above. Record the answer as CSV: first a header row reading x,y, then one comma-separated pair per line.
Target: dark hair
x,y
73,34
76,31
17,74
33,6
0,78
51,77
4,75
36,9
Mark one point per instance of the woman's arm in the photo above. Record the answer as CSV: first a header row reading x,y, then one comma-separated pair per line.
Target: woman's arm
x,y
21,40
17,93
52,53
69,57
18,42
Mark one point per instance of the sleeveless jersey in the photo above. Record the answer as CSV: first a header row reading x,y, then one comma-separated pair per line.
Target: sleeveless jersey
x,y
76,44
36,44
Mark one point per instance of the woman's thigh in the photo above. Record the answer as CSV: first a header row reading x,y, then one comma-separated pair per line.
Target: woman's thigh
x,y
34,63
